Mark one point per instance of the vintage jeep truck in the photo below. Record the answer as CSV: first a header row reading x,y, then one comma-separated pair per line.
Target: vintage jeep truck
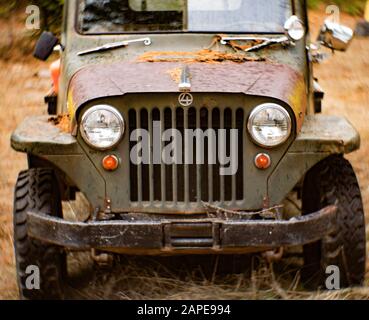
x,y
186,125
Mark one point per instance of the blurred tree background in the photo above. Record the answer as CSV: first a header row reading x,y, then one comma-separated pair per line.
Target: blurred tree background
x,y
51,11
354,7
16,42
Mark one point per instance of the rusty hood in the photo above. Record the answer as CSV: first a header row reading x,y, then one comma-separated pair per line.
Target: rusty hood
x,y
277,81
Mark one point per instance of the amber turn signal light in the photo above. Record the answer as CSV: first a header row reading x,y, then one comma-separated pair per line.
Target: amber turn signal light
x,y
110,163
262,161
55,74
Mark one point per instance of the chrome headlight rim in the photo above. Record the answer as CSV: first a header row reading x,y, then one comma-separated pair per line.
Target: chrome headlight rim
x,y
295,28
259,109
108,108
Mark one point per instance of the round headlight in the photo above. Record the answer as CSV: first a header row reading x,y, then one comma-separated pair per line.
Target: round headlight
x,y
270,125
102,127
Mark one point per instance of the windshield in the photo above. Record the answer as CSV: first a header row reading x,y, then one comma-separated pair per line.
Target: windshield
x,y
148,16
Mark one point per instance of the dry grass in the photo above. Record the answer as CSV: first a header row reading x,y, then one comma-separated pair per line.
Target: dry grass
x,y
20,95
195,278
346,80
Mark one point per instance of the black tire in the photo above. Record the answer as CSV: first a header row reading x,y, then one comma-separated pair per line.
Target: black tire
x,y
333,181
37,190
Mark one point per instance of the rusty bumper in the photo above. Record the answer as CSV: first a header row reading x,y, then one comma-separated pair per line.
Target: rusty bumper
x,y
158,234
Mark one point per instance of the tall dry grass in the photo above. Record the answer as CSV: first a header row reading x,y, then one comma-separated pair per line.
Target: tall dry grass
x,y
21,92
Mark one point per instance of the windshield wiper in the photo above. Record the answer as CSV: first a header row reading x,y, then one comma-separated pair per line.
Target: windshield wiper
x,y
115,45
266,42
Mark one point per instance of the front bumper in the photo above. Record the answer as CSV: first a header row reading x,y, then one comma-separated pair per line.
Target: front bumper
x,y
154,234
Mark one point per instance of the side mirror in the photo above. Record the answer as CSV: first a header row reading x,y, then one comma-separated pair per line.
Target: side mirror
x,y
45,46
335,36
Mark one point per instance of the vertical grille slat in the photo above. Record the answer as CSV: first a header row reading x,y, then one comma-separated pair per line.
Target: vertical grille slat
x,y
187,184
133,168
210,165
157,167
180,168
139,169
228,125
234,177
192,168
163,171
216,167
222,180
204,125
144,168
240,120
175,172
198,166
151,166
186,166
168,167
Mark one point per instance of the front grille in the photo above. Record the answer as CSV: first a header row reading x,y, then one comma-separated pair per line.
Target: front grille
x,y
188,184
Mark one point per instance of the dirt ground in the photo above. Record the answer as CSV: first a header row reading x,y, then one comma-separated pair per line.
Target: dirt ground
x,y
345,77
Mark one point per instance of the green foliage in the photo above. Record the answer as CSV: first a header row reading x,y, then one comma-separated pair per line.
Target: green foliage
x,y
354,7
6,7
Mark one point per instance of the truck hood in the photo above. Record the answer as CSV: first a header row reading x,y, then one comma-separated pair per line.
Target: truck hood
x,y
277,81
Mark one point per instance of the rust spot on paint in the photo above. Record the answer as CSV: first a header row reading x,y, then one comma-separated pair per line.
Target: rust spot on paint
x,y
235,45
62,121
203,56
175,74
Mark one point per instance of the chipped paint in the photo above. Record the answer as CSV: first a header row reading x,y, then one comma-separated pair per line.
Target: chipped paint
x,y
235,45
63,122
296,99
70,105
175,74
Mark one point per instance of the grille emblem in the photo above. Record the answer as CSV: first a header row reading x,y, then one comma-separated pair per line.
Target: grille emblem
x,y
185,99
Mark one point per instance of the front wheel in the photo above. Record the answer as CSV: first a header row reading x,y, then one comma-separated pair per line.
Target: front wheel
x,y
37,190
333,182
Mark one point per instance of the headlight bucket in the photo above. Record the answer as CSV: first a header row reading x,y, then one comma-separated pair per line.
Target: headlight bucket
x,y
295,28
269,125
102,127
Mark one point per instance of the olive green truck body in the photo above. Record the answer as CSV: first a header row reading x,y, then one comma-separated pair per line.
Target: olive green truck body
x,y
183,208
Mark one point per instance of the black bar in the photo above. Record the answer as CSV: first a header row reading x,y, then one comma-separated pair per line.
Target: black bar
x,y
149,234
